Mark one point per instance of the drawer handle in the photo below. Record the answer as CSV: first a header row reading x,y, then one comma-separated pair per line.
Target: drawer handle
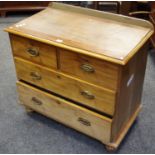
x,y
87,68
84,121
35,76
36,101
32,52
87,95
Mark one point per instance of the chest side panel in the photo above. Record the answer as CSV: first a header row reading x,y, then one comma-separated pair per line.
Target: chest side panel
x,y
130,90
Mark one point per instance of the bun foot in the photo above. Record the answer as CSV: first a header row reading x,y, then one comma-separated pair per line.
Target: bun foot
x,y
28,110
110,148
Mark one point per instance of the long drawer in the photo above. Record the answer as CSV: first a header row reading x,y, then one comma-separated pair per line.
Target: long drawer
x,y
79,118
90,69
95,97
34,51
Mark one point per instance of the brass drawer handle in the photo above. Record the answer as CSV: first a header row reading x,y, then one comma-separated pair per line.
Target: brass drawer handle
x,y
32,52
35,76
36,101
87,68
84,121
87,94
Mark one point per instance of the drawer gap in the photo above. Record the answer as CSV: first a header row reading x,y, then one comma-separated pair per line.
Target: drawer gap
x,y
77,103
58,58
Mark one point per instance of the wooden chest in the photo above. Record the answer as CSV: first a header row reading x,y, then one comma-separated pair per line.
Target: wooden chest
x,y
83,68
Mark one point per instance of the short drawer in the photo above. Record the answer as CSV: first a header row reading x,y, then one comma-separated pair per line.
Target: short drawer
x,y
34,51
87,94
79,118
89,69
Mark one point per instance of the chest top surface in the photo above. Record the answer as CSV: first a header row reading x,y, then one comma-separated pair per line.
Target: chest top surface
x,y
99,34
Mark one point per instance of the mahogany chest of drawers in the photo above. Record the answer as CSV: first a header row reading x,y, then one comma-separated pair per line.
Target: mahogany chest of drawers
x,y
83,68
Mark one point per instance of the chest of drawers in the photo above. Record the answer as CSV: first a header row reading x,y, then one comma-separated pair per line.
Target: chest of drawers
x,y
83,68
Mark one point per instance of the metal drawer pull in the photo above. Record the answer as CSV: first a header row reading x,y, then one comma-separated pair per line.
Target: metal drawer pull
x,y
87,95
87,68
32,52
84,121
35,76
36,101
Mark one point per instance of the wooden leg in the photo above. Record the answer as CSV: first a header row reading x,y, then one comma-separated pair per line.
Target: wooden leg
x,y
110,148
3,13
28,110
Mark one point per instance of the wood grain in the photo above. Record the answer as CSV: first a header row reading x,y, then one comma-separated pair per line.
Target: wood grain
x,y
91,63
115,144
130,90
97,36
79,118
46,54
105,74
67,86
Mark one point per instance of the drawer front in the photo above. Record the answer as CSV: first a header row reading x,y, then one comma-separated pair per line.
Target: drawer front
x,y
34,51
77,117
89,69
80,91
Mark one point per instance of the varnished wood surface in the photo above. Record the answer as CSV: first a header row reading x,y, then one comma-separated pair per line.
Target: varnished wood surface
x,y
79,118
46,54
115,144
105,74
90,58
67,86
130,90
99,36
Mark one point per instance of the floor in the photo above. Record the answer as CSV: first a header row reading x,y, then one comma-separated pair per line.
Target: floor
x,y
23,133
